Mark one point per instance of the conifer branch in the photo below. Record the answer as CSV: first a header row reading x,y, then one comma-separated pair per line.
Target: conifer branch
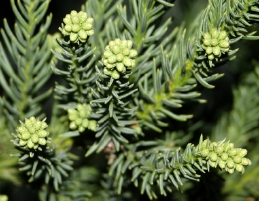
x,y
22,75
77,55
168,85
165,169
39,160
228,18
111,102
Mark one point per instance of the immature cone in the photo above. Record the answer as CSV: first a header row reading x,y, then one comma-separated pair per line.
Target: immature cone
x,y
118,57
78,26
79,118
225,155
215,43
32,133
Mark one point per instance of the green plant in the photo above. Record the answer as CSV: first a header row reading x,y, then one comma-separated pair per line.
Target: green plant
x,y
115,96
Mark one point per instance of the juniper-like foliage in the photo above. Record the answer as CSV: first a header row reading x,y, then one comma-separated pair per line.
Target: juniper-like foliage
x,y
25,59
110,107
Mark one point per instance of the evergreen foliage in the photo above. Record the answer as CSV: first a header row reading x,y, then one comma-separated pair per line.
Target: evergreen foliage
x,y
105,109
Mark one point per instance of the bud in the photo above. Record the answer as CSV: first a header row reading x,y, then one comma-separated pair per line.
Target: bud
x,y
222,164
211,57
119,57
67,20
127,62
214,33
229,146
42,141
22,143
224,156
83,16
73,37
240,168
90,20
72,125
81,129
30,144
232,152
78,121
42,133
206,36
85,123
133,53
21,129
37,125
237,159
224,44
213,157
204,144
219,149
75,28
120,67
92,125
126,51
68,28
82,34
25,135
213,144
43,125
87,26
214,42
246,161
242,152
73,13
115,49
230,170
216,51
222,35
230,163
34,138
205,152
212,164
106,71
206,42
129,44
112,59
209,50
115,75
